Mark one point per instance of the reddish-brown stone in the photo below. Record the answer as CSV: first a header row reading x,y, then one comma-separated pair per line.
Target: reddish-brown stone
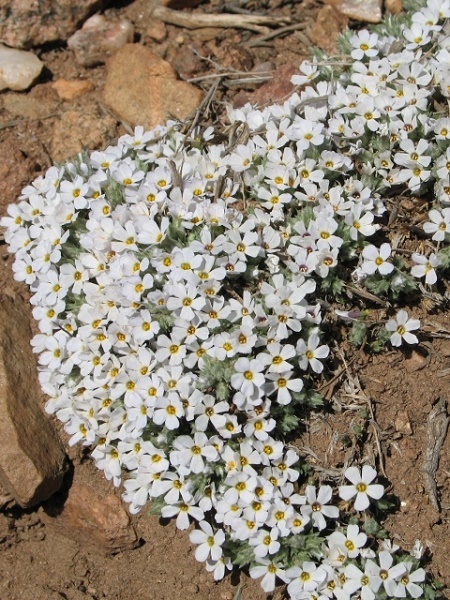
x,y
71,89
394,6
330,23
28,23
277,89
97,522
142,89
98,39
32,457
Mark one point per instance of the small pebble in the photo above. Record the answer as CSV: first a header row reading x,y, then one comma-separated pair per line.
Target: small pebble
x,y
394,6
71,89
18,69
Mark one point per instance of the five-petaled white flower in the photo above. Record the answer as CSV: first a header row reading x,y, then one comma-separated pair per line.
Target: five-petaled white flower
x,y
210,543
375,259
318,507
362,486
401,328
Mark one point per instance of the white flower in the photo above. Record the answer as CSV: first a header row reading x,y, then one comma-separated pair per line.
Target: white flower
x,y
408,582
269,571
361,222
364,44
413,153
279,514
210,543
191,452
439,224
173,487
310,71
311,352
362,486
375,259
265,542
168,410
426,267
351,542
283,385
317,507
209,410
218,567
248,377
306,578
384,573
417,35
184,300
277,356
183,509
401,327
355,580
108,459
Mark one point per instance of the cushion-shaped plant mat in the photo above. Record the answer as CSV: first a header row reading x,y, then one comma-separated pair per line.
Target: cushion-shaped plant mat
x,y
189,287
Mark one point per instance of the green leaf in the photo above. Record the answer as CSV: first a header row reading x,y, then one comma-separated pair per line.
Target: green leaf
x,y
358,333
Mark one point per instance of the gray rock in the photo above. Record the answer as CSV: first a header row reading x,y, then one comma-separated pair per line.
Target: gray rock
x,y
32,457
98,39
28,23
369,11
18,69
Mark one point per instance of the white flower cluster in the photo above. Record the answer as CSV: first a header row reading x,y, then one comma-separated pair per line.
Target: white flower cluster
x,y
177,286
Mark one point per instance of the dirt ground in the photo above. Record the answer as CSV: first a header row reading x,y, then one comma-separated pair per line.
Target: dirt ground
x,y
377,406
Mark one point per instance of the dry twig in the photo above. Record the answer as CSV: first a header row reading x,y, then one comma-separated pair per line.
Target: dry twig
x,y
260,39
366,295
437,425
203,108
257,23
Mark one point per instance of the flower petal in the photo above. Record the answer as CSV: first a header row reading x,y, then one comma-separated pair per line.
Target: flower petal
x,y
202,552
375,491
368,474
361,502
353,474
347,491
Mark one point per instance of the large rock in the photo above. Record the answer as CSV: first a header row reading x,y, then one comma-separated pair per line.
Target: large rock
x,y
369,11
94,520
32,457
142,89
16,170
18,69
98,39
329,25
28,23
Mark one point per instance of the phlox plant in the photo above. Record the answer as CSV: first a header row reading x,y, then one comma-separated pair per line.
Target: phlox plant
x,y
183,289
